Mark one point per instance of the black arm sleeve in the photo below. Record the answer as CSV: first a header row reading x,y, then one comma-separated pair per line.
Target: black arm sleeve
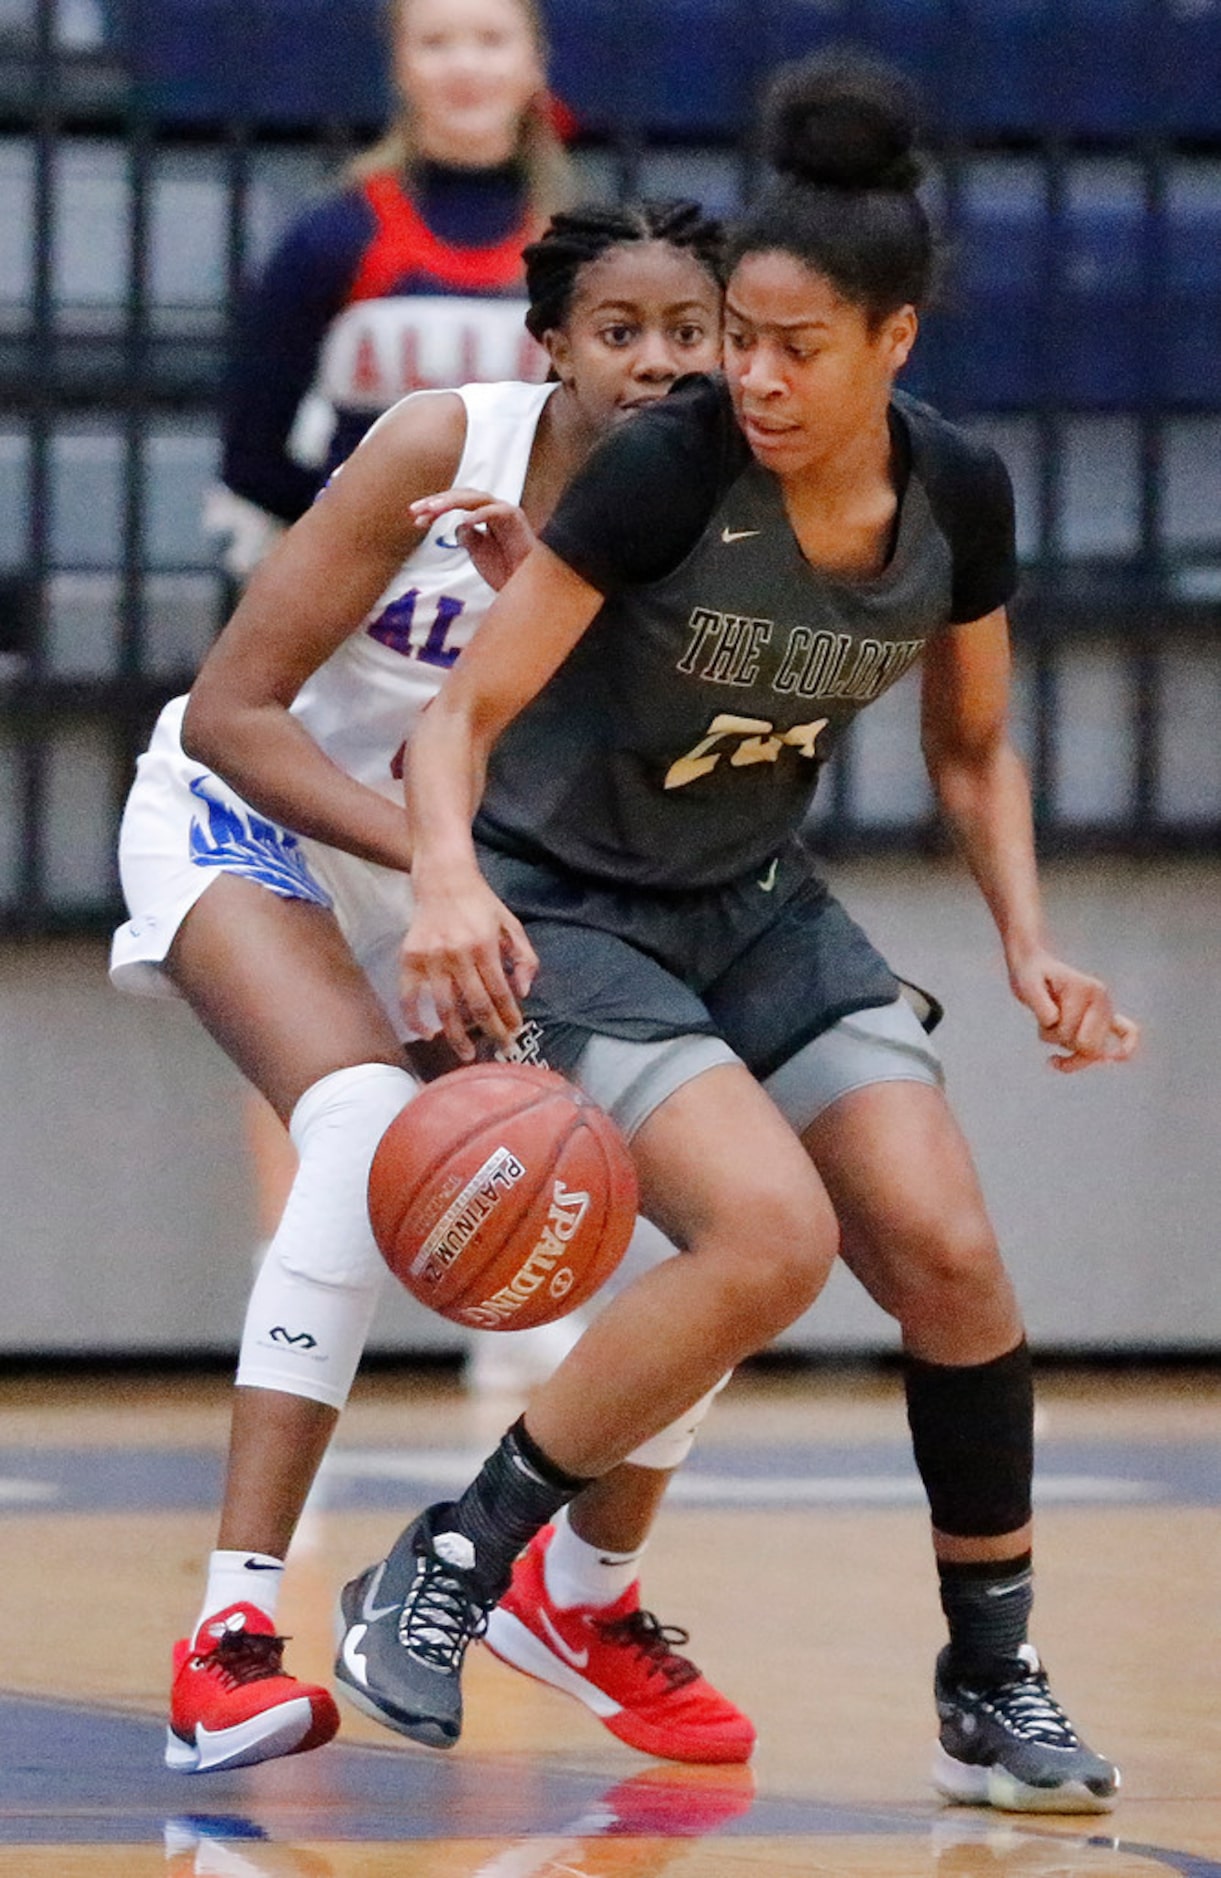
x,y
641,502
971,496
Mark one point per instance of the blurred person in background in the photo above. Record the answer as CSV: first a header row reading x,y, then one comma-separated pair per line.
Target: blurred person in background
x,y
407,276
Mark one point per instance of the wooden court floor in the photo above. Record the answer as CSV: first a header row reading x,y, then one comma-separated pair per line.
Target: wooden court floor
x,y
795,1551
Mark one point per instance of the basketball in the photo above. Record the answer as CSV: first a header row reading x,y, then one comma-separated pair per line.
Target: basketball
x,y
502,1197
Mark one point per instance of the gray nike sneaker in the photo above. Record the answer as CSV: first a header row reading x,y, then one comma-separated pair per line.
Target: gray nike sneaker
x,y
404,1627
1009,1744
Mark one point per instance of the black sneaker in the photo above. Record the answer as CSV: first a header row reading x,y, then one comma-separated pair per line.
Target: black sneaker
x,y
1009,1744
404,1626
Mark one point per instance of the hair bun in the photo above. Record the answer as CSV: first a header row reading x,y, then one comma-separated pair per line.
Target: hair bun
x,y
842,122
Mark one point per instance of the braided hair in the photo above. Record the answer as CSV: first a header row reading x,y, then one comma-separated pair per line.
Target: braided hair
x,y
578,236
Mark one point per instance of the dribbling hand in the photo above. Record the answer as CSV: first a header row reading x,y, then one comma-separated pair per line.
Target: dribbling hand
x,y
464,963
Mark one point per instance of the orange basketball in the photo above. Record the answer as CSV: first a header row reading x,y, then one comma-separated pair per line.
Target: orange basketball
x,y
502,1197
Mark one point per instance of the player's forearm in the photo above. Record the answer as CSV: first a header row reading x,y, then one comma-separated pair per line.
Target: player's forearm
x,y
985,798
274,765
443,778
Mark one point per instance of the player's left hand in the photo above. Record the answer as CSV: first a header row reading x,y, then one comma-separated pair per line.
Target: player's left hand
x,y
1074,1013
495,534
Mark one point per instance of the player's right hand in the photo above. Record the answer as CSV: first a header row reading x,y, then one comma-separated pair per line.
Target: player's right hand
x,y
464,963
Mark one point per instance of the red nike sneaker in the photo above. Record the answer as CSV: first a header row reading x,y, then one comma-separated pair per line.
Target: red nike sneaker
x,y
621,1663
231,1703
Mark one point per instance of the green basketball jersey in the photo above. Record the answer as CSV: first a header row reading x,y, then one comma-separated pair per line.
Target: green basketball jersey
x,y
680,743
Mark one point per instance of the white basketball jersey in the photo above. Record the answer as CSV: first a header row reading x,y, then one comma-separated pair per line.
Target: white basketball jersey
x,y
360,706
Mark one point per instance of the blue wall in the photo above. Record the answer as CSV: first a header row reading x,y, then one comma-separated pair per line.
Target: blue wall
x,y
989,68
1090,282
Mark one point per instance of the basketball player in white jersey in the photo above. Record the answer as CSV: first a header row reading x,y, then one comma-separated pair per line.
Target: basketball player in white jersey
x,y
275,903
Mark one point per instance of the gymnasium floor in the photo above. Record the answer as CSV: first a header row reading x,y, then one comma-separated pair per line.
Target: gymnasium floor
x,y
795,1550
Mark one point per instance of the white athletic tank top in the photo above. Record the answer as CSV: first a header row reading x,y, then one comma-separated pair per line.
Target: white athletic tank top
x,y
360,705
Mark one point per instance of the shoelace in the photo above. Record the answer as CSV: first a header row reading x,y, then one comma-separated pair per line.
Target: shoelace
x,y
1028,1707
241,1657
641,1630
440,1617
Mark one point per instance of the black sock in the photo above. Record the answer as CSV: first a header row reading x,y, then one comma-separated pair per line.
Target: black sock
x,y
987,1606
516,1491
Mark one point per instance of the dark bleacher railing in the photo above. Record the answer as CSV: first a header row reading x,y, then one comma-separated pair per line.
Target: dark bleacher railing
x,y
151,149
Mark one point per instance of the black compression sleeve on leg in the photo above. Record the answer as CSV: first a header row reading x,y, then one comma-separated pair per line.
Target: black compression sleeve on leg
x,y
973,1437
517,1490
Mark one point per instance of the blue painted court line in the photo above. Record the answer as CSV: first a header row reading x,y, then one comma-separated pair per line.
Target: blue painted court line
x,y
790,1474
77,1775
1189,1864
81,1775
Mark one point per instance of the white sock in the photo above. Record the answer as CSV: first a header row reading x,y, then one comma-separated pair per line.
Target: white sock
x,y
242,1578
578,1573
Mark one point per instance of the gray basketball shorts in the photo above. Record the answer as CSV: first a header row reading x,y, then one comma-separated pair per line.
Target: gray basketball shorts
x,y
640,990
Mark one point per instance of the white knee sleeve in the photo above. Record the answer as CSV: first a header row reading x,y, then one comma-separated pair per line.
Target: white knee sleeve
x,y
315,1293
671,1447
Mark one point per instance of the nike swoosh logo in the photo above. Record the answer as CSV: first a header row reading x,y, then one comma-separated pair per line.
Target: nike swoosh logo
x,y
371,1611
352,1655
578,1658
769,879
441,542
739,534
257,1565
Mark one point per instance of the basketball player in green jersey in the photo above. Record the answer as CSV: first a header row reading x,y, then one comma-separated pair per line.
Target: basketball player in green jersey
x,y
636,732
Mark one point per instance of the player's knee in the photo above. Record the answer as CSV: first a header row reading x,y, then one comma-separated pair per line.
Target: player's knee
x,y
952,1258
317,1288
782,1245
792,1284
324,1236
350,1109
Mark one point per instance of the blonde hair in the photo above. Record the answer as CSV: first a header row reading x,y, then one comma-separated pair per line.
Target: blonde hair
x,y
551,181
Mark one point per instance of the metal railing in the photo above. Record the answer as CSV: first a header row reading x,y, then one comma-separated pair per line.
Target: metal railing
x,y
1088,280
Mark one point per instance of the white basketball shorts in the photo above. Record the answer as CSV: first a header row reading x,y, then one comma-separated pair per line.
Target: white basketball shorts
x,y
182,826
